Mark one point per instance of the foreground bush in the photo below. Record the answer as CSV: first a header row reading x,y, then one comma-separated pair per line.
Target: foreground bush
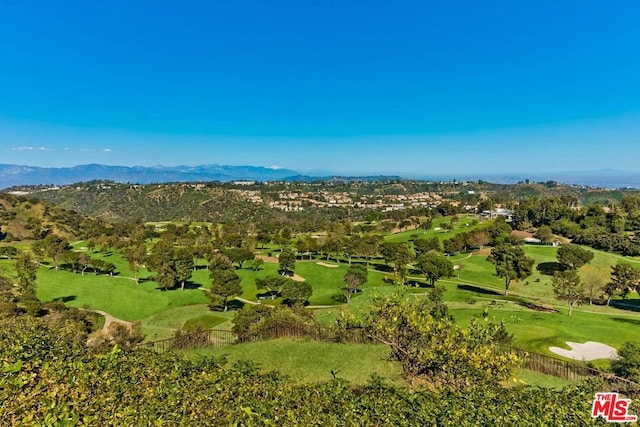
x,y
50,385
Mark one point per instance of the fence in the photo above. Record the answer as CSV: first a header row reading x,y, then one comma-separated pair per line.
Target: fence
x,y
206,338
573,371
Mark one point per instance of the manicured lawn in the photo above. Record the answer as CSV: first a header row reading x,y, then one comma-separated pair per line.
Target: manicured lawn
x,y
308,361
463,225
164,324
537,331
120,297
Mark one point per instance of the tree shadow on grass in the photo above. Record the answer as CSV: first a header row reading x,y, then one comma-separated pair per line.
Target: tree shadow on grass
x,y
549,268
625,320
383,268
235,304
65,299
190,285
478,290
417,284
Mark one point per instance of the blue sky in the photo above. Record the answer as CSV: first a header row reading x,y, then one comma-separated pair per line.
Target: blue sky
x,y
412,87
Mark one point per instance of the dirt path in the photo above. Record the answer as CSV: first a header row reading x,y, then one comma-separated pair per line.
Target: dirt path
x,y
110,320
270,259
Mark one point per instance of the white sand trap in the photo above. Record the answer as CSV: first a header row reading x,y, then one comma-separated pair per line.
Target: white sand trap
x,y
324,264
588,351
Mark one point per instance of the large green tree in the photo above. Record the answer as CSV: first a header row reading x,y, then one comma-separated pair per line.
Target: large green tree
x,y
572,257
511,263
434,266
161,260
225,283
624,279
287,261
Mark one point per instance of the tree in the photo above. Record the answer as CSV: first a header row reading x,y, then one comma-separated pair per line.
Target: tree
x,y
422,246
272,284
511,263
367,246
26,267
594,283
431,347
454,244
399,254
287,261
568,287
53,247
239,255
8,251
355,276
572,257
624,279
294,292
479,238
183,261
434,266
162,262
499,229
544,233
136,256
627,364
225,283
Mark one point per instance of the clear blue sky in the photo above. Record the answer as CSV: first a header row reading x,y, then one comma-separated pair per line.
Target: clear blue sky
x,y
407,87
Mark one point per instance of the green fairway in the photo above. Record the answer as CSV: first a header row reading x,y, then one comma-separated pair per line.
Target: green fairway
x,y
464,225
120,297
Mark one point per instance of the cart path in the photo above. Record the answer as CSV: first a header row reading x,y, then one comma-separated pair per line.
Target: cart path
x,y
110,320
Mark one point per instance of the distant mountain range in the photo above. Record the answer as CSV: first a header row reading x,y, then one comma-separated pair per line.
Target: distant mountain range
x,y
16,175
13,175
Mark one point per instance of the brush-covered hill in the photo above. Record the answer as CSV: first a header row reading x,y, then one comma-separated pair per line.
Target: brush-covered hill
x,y
113,201
24,218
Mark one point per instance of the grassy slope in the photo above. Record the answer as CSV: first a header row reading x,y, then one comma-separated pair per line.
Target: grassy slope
x,y
307,361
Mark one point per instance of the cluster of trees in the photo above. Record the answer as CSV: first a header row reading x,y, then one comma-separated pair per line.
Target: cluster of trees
x,y
593,225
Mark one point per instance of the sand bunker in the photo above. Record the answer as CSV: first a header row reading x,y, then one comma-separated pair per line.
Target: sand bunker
x,y
324,264
588,351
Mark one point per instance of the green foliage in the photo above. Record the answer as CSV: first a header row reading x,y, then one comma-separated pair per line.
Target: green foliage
x,y
287,261
399,254
255,318
511,263
355,277
568,287
572,257
627,364
434,266
225,283
294,292
624,279
432,349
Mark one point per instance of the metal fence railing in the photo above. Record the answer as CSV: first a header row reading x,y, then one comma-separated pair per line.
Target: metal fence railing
x,y
205,338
